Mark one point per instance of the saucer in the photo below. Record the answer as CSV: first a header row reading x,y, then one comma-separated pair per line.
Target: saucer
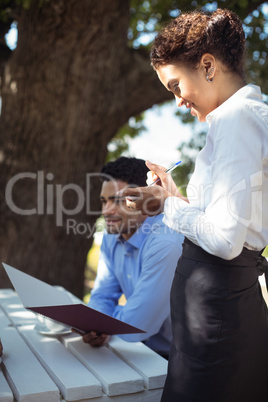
x,y
43,330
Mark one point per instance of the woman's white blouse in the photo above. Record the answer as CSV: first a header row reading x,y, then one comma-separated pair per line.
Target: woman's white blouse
x,y
228,191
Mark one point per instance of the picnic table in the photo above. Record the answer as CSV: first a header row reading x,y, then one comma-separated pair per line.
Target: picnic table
x,y
38,367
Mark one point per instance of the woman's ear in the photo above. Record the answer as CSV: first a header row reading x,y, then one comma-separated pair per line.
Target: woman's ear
x,y
208,63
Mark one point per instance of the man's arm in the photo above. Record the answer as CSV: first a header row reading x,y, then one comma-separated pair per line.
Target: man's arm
x,y
149,305
105,294
107,290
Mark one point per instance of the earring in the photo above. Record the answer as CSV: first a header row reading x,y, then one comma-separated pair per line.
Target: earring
x,y
208,74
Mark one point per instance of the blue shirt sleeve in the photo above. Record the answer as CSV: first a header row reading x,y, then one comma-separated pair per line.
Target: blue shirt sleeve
x,y
107,290
149,305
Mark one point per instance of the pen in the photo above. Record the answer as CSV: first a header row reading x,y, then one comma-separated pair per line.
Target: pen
x,y
166,171
132,198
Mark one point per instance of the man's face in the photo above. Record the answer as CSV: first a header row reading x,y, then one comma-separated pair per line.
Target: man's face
x,y
118,218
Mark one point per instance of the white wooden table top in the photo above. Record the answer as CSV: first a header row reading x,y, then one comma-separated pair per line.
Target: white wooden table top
x,y
42,368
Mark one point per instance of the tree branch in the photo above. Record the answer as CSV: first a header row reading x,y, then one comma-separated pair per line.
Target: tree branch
x,y
144,87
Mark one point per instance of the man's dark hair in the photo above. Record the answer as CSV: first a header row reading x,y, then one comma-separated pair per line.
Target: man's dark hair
x,y
130,170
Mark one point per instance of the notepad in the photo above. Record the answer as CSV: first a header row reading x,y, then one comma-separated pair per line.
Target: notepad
x,y
44,299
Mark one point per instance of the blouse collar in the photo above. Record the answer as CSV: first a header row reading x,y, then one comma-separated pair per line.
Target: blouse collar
x,y
249,91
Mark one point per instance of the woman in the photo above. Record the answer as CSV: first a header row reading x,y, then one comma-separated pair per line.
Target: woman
x,y
220,322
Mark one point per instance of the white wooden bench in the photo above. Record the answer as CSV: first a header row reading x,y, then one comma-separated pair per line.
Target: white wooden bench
x,y
39,368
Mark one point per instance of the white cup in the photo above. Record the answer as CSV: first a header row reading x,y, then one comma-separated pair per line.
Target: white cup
x,y
54,326
50,325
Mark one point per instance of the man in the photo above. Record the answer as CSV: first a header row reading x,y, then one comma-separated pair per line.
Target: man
x,y
138,258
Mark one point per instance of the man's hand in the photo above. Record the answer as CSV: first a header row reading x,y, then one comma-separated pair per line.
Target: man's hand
x,y
95,339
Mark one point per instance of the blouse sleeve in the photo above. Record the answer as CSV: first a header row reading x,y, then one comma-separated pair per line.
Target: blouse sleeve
x,y
235,180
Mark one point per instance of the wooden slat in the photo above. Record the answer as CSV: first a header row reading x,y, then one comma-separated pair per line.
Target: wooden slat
x,y
18,315
4,321
9,296
6,294
151,366
13,307
116,376
153,395
145,396
71,376
6,394
26,377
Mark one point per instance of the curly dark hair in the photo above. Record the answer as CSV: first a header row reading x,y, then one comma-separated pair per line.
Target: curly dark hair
x,y
130,170
186,38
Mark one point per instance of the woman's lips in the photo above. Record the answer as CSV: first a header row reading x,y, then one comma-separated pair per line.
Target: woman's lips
x,y
192,109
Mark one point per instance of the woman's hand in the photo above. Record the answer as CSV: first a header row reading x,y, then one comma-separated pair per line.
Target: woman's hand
x,y
150,200
165,179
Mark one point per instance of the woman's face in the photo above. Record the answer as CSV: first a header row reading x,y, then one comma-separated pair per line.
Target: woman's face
x,y
190,88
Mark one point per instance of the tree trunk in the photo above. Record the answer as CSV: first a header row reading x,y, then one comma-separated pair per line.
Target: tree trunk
x,y
70,84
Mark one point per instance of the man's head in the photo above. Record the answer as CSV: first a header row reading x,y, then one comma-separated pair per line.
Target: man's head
x,y
116,175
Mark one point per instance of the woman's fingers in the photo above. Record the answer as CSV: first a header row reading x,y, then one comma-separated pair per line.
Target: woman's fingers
x,y
158,169
155,173
149,200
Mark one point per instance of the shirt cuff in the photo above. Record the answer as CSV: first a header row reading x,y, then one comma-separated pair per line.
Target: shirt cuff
x,y
174,209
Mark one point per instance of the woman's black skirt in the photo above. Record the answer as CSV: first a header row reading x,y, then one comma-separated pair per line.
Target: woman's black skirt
x,y
219,351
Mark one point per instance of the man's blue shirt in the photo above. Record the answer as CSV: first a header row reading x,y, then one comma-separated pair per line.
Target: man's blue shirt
x,y
141,268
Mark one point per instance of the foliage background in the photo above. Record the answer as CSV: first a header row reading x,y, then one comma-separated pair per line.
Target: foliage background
x,y
56,261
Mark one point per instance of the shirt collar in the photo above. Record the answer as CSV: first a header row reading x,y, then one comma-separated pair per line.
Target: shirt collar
x,y
249,91
137,239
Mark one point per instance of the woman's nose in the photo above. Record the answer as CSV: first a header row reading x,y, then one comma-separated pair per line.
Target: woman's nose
x,y
179,101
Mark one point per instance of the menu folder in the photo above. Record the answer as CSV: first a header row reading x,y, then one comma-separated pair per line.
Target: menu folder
x,y
58,305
